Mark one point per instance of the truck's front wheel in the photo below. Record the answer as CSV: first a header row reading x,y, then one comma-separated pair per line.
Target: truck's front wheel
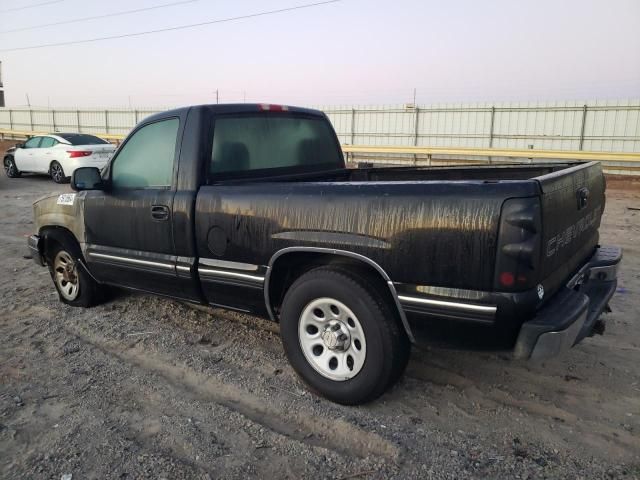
x,y
74,285
341,337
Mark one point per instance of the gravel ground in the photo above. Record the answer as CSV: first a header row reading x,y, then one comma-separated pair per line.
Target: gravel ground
x,y
144,387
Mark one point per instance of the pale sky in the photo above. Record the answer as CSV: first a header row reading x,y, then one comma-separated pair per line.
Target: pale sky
x,y
349,52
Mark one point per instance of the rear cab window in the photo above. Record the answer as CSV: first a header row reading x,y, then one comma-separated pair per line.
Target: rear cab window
x,y
271,144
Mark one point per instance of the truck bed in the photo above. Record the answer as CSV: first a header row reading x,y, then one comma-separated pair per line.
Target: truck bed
x,y
436,228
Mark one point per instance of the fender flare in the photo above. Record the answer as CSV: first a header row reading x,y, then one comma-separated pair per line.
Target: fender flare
x,y
336,252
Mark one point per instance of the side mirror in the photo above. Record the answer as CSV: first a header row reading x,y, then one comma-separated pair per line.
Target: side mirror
x,y
19,145
86,178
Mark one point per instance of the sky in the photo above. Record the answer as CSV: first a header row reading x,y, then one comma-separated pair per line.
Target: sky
x,y
350,52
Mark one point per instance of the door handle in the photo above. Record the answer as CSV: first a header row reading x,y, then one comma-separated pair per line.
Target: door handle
x,y
160,212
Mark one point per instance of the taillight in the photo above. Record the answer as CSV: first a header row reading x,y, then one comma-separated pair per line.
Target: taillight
x,y
79,153
265,107
518,254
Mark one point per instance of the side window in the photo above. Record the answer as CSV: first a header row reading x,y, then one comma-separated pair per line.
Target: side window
x,y
146,160
48,142
33,142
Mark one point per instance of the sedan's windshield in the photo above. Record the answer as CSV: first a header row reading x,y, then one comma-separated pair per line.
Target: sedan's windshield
x,y
82,139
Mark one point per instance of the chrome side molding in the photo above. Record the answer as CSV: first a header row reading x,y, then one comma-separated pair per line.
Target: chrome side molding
x,y
486,309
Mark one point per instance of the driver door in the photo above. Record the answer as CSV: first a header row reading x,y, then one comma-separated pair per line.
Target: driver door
x,y
129,227
25,157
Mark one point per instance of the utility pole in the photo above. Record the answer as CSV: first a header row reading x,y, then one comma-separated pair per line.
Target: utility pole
x,y
217,96
414,97
28,101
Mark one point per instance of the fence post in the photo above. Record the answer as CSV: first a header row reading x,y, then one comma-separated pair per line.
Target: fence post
x,y
53,119
31,118
10,119
78,120
353,125
353,132
493,117
415,134
584,122
106,121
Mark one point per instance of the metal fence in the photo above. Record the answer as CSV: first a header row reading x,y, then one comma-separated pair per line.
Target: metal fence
x,y
97,121
611,126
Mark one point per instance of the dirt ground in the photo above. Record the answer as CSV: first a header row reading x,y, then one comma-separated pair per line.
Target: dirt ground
x,y
144,387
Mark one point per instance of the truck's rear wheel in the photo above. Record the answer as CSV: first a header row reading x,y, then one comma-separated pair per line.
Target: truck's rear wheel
x,y
74,285
341,337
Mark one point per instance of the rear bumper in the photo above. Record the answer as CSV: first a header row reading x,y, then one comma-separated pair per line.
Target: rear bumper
x,y
34,244
572,313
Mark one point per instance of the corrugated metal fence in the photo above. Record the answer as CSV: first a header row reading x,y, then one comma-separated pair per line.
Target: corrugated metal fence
x,y
612,126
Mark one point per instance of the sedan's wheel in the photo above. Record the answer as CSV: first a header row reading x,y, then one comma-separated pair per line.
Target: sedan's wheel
x,y
66,276
10,168
342,335
57,173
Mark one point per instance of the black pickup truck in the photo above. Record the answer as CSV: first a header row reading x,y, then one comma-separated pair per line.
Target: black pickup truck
x,y
252,208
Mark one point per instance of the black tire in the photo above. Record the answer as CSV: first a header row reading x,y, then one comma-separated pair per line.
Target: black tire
x,y
88,290
387,345
10,168
57,173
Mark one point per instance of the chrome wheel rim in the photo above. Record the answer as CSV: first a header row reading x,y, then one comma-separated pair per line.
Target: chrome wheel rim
x,y
332,339
66,276
9,167
56,172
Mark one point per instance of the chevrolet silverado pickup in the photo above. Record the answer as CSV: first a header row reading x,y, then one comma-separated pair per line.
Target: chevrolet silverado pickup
x,y
252,208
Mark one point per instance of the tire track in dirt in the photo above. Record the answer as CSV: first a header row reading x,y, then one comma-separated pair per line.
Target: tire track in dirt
x,y
565,406
331,434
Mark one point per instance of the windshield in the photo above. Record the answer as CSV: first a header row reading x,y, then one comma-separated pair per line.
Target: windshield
x,y
81,139
263,144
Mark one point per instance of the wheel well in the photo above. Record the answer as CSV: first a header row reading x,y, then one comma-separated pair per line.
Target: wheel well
x,y
290,266
56,235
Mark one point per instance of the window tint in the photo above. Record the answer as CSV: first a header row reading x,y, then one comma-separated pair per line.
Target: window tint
x,y
48,142
146,160
82,139
269,142
33,142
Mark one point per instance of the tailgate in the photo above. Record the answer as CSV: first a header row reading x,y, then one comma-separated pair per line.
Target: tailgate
x,y
572,204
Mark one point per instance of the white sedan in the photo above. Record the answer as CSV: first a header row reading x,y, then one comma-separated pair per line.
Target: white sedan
x,y
57,155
